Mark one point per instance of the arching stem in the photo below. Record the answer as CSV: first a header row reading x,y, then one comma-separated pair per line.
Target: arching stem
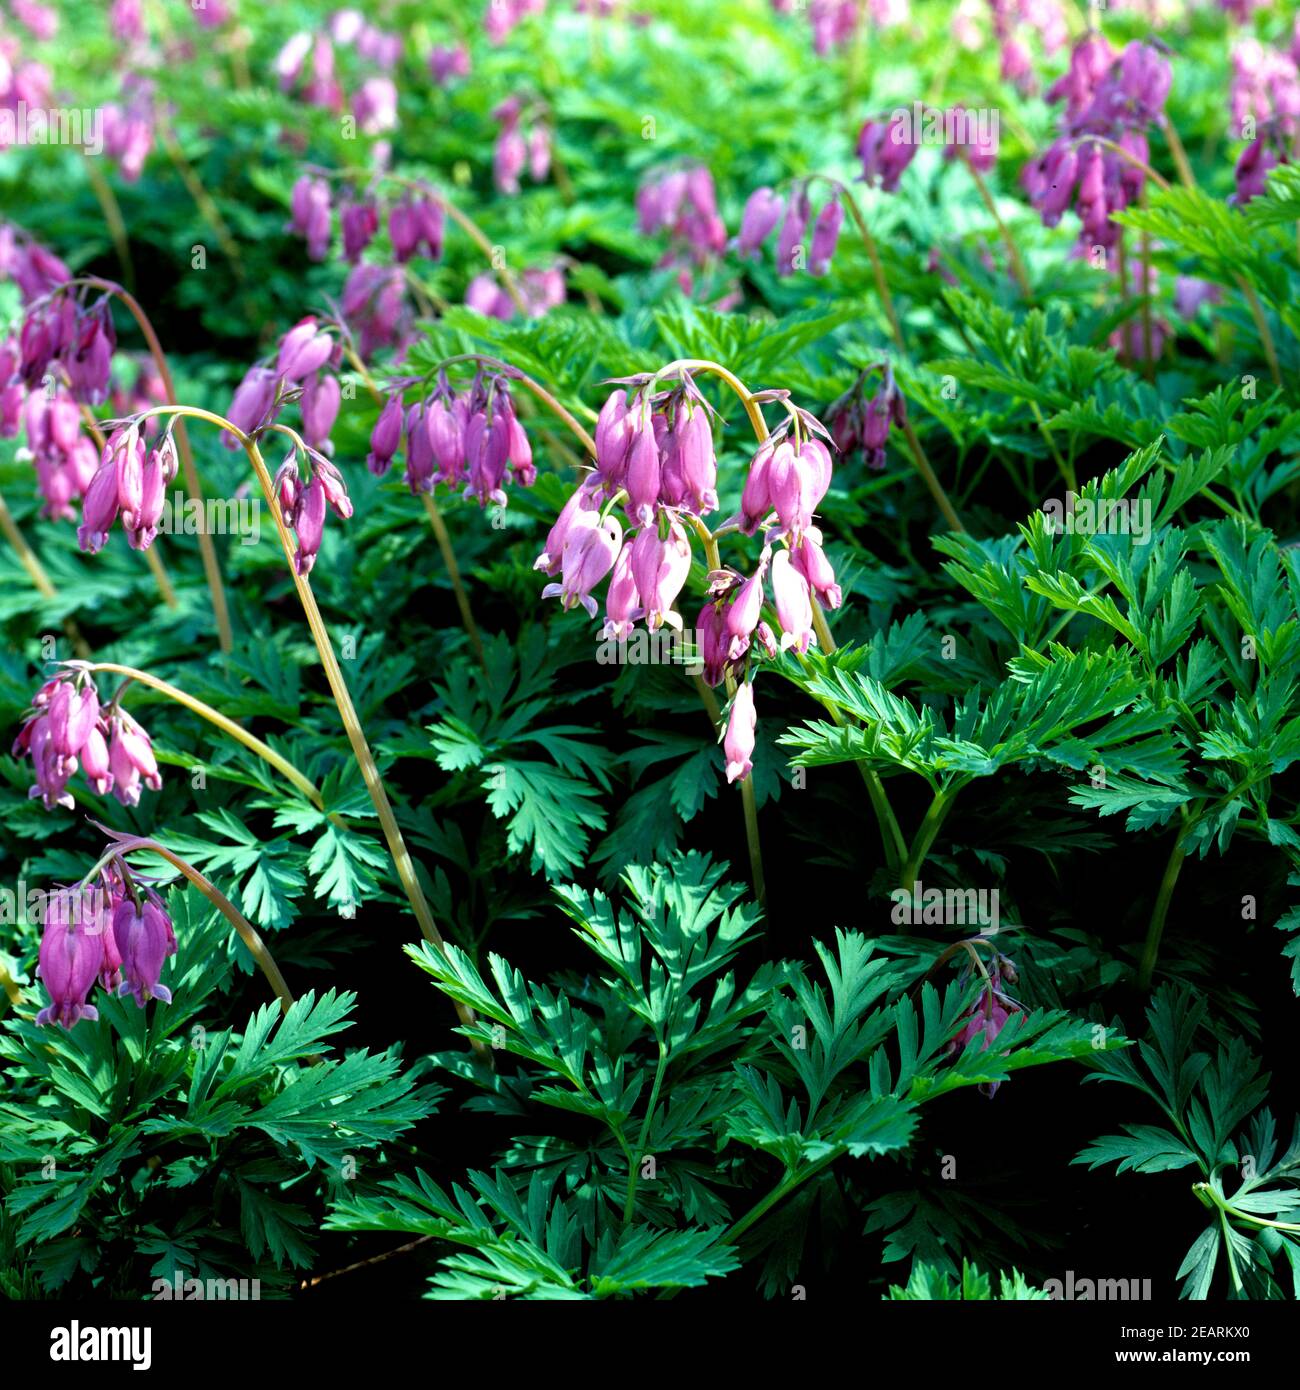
x,y
220,721
338,687
248,934
220,612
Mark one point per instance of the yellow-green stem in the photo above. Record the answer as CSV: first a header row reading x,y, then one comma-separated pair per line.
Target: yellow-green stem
x,y
443,537
113,219
214,717
248,934
339,689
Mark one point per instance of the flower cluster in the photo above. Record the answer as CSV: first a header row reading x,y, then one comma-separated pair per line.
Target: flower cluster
x,y
655,455
68,729
885,148
24,84
503,15
446,62
540,289
65,458
117,934
305,372
834,22
765,208
131,481
1112,96
991,1011
683,203
1265,101
860,424
470,439
129,127
307,66
1014,24
524,141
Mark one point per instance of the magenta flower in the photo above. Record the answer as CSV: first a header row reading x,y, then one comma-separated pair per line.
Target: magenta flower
x,y
446,63
310,208
809,559
130,759
304,349
762,213
320,407
825,237
622,598
885,151
578,514
144,937
71,958
360,222
386,437
254,400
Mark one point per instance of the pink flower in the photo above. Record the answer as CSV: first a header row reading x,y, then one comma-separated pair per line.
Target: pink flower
x,y
793,603
589,555
304,349
660,569
320,407
622,600
738,743
253,402
131,759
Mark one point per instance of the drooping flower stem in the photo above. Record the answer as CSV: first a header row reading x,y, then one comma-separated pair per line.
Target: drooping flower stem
x,y
248,934
211,568
925,836
338,687
748,804
1156,927
877,267
26,555
891,835
443,537
113,219
1013,251
214,717
440,532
